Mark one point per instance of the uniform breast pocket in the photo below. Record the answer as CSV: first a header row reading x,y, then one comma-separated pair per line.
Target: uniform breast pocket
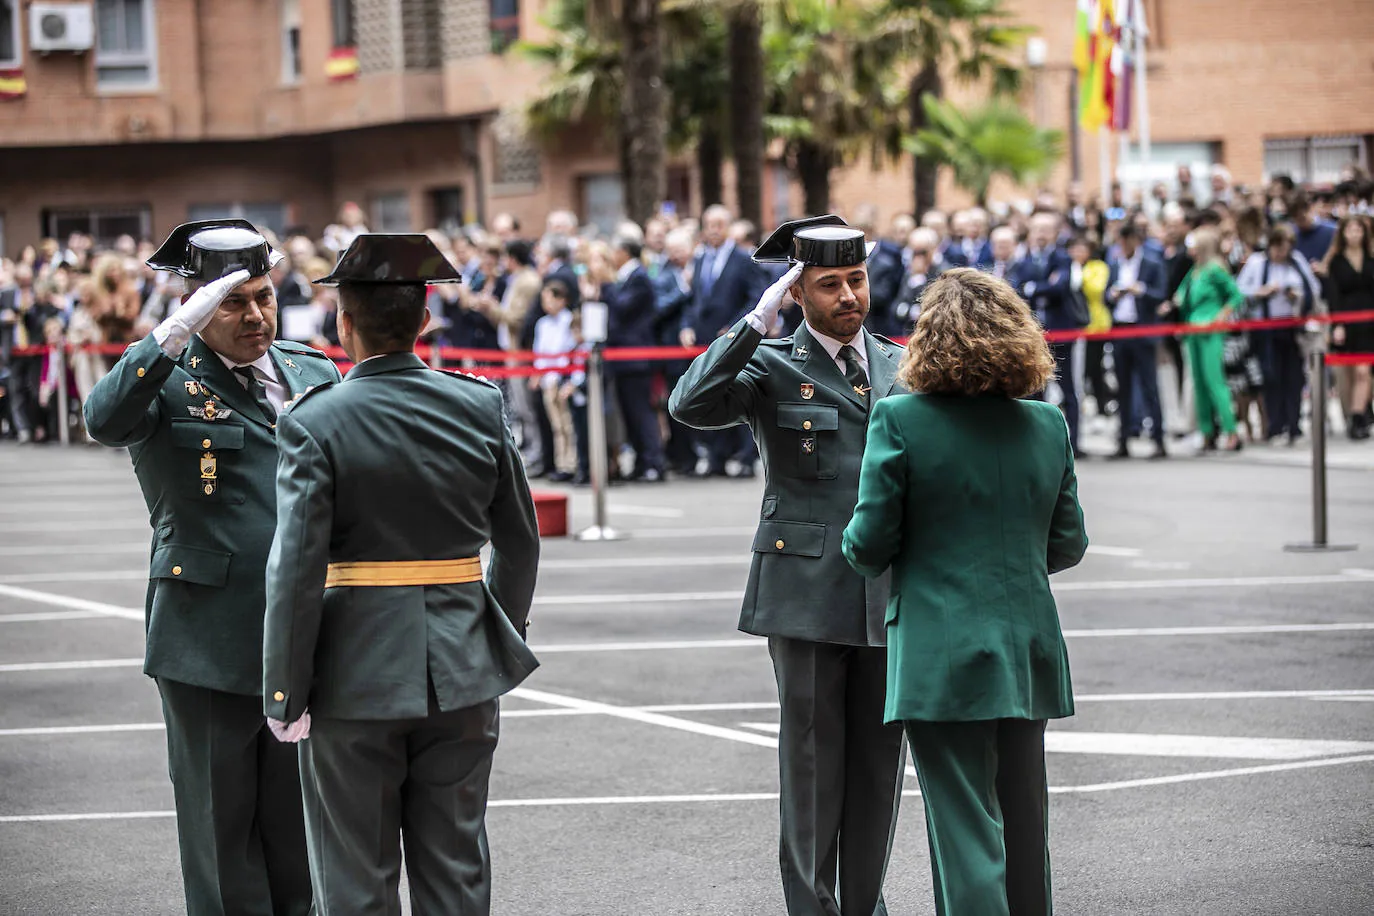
x,y
209,450
810,440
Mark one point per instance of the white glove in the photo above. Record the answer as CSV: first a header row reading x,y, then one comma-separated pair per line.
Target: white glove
x,y
290,734
175,332
765,314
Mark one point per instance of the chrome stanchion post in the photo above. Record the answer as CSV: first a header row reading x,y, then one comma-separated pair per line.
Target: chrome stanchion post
x,y
64,432
594,323
1316,383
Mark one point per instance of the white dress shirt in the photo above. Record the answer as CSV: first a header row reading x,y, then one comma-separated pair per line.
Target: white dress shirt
x,y
265,372
832,346
1125,311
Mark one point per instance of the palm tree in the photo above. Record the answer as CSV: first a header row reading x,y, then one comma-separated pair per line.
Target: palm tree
x,y
991,139
698,83
975,38
642,126
834,93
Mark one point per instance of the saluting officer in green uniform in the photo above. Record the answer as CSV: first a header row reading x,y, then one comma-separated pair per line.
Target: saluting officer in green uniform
x,y
196,403
386,646
807,400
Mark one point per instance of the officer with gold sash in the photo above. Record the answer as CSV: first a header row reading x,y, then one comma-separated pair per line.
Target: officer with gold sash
x,y
196,404
386,645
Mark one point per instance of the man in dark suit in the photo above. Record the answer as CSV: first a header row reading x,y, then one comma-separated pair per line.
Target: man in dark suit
x,y
725,285
1042,279
631,303
380,619
970,246
672,294
809,398
1135,290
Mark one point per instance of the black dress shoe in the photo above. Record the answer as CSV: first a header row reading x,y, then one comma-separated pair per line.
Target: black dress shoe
x,y
559,477
652,475
1159,452
1120,453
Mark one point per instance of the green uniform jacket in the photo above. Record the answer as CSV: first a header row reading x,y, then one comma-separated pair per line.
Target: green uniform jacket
x,y
398,462
809,425
207,474
972,502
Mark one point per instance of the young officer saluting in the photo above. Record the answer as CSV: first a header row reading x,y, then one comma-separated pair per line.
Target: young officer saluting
x,y
196,404
807,399
385,644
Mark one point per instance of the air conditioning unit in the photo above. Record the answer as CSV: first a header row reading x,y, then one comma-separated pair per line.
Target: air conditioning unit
x,y
61,27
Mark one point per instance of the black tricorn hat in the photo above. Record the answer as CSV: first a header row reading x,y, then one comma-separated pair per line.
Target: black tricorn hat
x,y
392,259
817,241
212,248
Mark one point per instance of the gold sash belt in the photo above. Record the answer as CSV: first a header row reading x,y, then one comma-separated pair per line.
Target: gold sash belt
x,y
404,572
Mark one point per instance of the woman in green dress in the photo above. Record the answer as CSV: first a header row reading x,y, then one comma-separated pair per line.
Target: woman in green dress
x,y
1209,295
969,494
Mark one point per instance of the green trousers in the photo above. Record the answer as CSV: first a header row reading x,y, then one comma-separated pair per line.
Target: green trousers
x,y
368,784
1211,396
983,784
238,799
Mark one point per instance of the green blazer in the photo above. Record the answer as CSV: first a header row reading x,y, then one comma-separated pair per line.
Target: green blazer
x,y
809,425
207,476
1205,291
972,502
397,462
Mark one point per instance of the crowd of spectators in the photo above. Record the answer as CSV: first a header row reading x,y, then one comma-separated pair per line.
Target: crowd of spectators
x,y
1191,252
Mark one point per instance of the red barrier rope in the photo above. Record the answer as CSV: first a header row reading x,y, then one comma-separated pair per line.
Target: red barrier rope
x,y
497,363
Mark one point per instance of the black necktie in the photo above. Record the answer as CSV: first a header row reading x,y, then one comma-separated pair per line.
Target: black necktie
x,y
853,372
258,390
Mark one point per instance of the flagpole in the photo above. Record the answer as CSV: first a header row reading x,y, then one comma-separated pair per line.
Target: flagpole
x,y
1142,96
1104,164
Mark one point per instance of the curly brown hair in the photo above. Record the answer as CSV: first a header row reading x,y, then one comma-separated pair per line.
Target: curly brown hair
x,y
975,336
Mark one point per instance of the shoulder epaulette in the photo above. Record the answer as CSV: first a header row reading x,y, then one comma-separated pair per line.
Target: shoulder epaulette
x,y
306,393
463,374
295,347
776,342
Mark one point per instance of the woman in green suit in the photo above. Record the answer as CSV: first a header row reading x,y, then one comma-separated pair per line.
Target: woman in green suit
x,y
969,495
1209,295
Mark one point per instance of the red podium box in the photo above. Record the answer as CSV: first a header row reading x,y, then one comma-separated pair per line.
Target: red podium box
x,y
551,509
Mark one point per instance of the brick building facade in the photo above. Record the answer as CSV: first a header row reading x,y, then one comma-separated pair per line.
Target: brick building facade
x,y
189,108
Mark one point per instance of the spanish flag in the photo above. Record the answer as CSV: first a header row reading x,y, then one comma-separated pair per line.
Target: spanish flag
x,y
342,64
12,84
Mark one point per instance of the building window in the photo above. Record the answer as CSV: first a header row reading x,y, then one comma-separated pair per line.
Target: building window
x,y
1312,159
341,15
103,224
290,41
505,24
124,44
265,215
391,212
9,33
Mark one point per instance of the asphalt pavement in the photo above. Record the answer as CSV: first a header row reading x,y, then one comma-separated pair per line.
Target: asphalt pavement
x,y
1221,762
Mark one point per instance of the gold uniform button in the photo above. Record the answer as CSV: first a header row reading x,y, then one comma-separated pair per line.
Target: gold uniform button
x,y
176,570
730,336
780,545
142,372
205,443
278,696
806,424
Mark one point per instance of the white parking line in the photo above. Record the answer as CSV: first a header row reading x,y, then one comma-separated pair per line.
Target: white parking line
x,y
45,616
73,604
645,511
647,718
69,550
61,730
77,575
72,665
752,796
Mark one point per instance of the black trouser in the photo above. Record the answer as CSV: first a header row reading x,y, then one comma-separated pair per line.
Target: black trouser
x,y
841,774
238,801
1284,378
26,374
1137,375
1095,375
544,428
1063,371
634,391
369,784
